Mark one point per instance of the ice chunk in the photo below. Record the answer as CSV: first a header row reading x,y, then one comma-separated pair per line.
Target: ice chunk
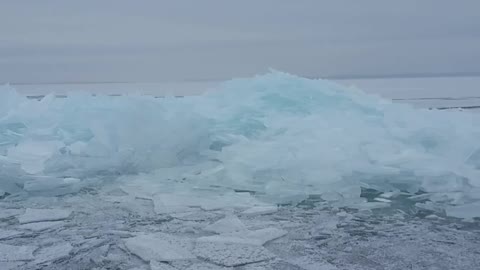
x,y
78,148
160,247
41,226
177,203
16,253
231,254
170,203
5,234
260,210
228,224
38,215
33,154
52,185
466,211
370,205
258,237
53,252
391,194
379,199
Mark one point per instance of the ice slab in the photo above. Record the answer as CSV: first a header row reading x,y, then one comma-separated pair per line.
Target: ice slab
x,y
16,253
169,203
160,247
206,266
260,210
53,253
8,213
41,226
155,265
52,185
231,254
466,211
228,224
37,215
6,234
11,265
370,205
177,203
257,238
312,263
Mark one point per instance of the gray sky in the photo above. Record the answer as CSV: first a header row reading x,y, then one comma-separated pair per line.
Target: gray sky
x,y
151,41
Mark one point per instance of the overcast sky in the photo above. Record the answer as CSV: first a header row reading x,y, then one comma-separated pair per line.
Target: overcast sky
x,y
159,40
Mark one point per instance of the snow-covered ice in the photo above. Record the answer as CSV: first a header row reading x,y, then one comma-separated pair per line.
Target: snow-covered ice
x,y
105,234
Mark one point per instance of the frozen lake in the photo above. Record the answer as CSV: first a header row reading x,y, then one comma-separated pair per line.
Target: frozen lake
x,y
421,92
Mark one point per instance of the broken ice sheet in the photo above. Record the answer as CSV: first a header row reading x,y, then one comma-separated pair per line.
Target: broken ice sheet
x,y
37,215
12,265
52,185
16,253
41,226
257,238
231,254
53,252
228,224
206,266
160,247
174,203
156,265
312,263
8,213
5,234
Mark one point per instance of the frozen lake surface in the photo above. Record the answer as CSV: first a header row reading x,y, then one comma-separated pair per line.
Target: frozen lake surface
x,y
421,92
101,213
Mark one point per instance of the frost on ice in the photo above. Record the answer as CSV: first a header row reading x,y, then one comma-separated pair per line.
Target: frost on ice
x,y
280,137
